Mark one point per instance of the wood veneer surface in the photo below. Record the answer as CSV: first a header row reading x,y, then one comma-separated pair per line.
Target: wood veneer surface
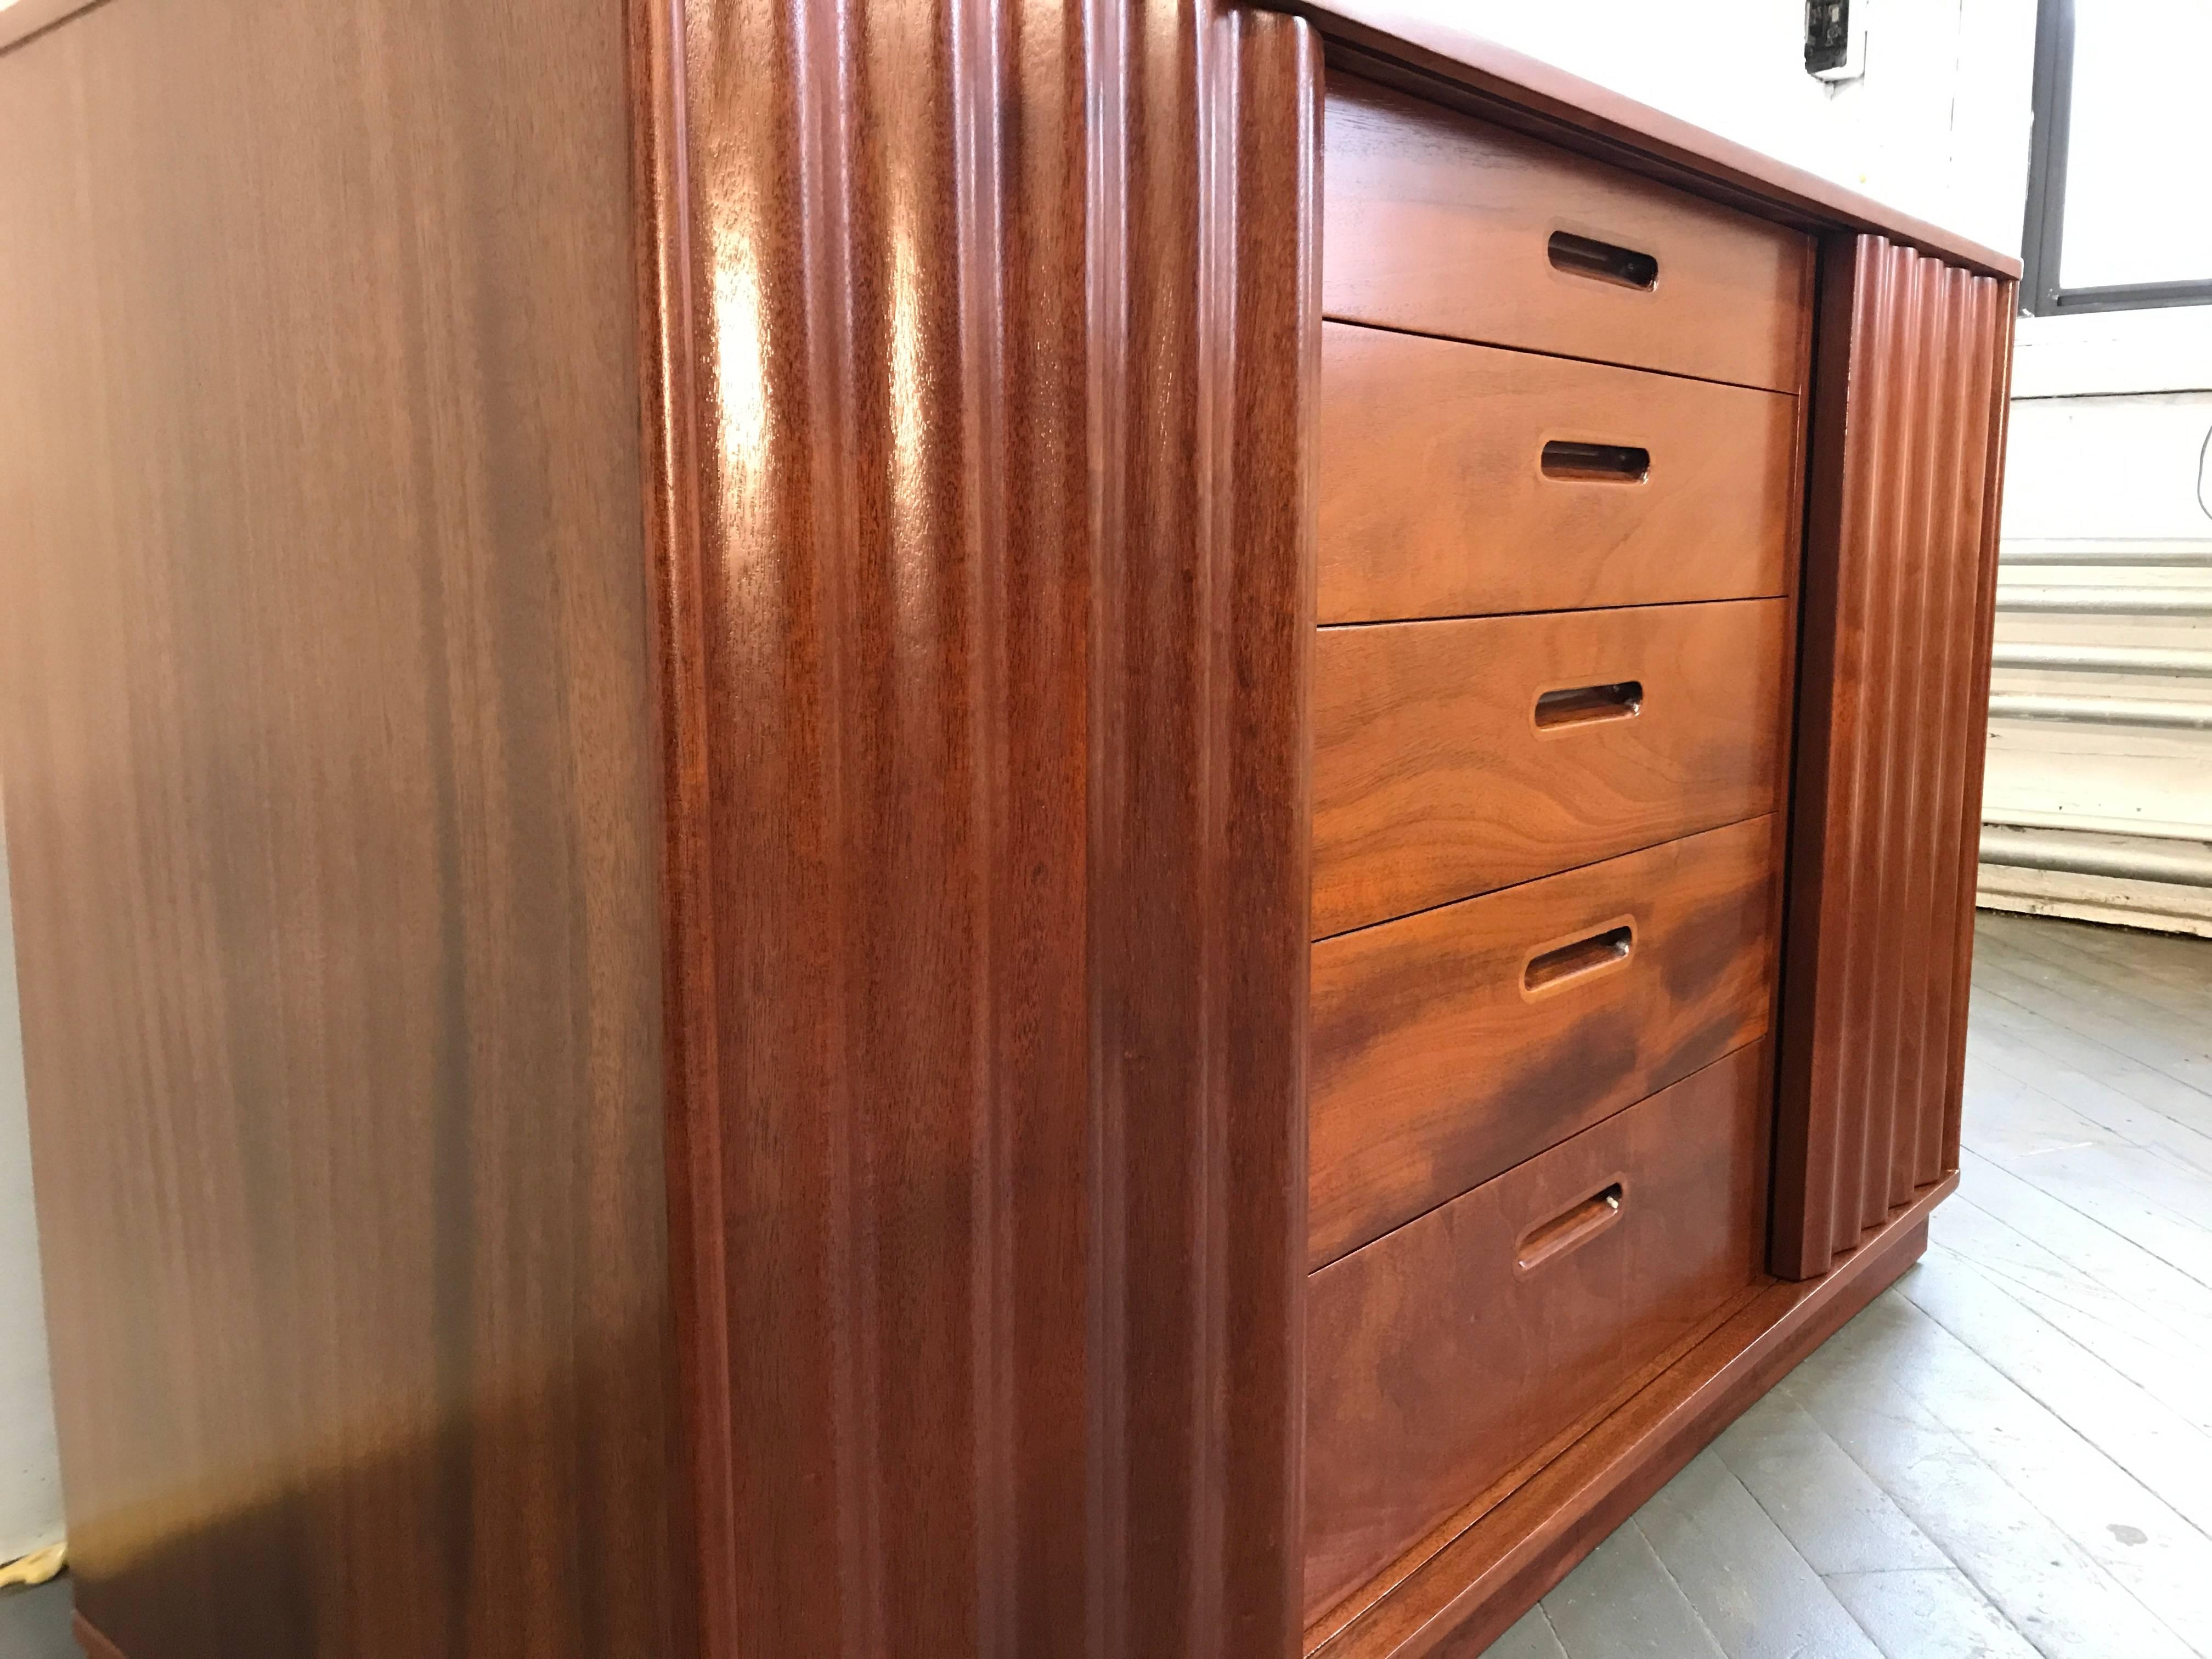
x,y
1441,224
1444,1353
1432,780
1434,1068
1435,501
1458,1596
332,822
987,600
920,611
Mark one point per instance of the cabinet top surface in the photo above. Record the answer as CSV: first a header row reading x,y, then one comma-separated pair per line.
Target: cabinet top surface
x,y
1388,40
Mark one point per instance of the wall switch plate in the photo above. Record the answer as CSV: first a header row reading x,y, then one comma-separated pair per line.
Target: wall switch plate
x,y
1835,38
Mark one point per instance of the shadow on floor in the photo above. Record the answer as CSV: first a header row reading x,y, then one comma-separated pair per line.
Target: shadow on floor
x,y
34,1624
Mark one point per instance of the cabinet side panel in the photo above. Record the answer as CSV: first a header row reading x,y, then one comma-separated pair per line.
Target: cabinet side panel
x,y
1004,324
333,822
1897,589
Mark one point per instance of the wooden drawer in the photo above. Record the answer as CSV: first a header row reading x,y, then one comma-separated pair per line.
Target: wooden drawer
x,y
1442,224
1451,1045
1450,1360
1457,481
1453,757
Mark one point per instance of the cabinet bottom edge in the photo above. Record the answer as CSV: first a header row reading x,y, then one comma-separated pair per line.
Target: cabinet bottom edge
x,y
88,1637
1473,1588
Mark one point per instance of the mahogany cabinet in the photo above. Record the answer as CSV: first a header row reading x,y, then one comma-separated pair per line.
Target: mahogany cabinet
x,y
905,827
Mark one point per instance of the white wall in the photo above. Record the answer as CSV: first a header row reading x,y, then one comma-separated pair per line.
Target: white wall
x,y
1938,127
2108,485
2112,353
30,1478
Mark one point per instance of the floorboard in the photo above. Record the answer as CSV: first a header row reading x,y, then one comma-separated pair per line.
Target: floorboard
x,y
2136,989
34,1624
1622,1603
1923,1614
2096,1254
1750,1587
2168,1359
2007,1456
2069,997
1833,1513
2145,1108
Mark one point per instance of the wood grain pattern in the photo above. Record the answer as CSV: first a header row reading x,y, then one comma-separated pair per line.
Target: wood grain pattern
x,y
1440,224
333,824
1396,1438
1433,1069
773,1048
994,649
1434,502
1470,1590
1958,873
1432,780
1898,597
1416,48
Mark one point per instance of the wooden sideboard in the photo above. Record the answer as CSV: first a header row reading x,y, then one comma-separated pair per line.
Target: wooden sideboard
x,y
897,827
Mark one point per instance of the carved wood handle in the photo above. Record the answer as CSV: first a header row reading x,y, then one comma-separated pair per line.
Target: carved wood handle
x,y
1602,262
1579,705
1577,1225
1567,462
1583,956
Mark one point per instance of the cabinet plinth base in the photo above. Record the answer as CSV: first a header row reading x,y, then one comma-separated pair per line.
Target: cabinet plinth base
x,y
1463,1596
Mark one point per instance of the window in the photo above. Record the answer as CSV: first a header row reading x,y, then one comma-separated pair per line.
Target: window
x,y
2119,191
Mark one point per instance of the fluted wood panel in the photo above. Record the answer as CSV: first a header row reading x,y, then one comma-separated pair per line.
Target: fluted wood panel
x,y
986,595
1900,584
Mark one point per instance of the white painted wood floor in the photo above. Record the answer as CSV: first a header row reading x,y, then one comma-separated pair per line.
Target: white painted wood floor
x,y
2010,1453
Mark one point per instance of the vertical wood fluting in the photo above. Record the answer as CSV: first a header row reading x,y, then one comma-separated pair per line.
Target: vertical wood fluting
x,y
994,329
1899,588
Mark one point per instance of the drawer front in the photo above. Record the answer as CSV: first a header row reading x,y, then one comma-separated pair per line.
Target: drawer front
x,y
1460,481
1442,224
1444,1360
1452,758
1453,1044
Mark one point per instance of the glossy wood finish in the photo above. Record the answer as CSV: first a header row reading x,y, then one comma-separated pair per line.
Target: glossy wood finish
x,y
1434,1067
1899,586
1440,224
989,642
961,722
332,822
1433,779
1415,48
1464,1345
1434,502
1466,1593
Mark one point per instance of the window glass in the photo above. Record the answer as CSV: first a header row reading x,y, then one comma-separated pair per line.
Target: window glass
x,y
2138,175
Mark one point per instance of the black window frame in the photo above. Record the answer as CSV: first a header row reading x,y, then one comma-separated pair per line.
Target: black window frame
x,y
2042,236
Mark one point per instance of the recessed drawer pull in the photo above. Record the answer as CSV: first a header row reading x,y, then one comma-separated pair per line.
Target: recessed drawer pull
x,y
1579,705
1584,955
1572,463
1563,1232
1582,256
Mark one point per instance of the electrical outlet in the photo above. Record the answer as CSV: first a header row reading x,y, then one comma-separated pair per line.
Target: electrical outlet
x,y
1835,38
